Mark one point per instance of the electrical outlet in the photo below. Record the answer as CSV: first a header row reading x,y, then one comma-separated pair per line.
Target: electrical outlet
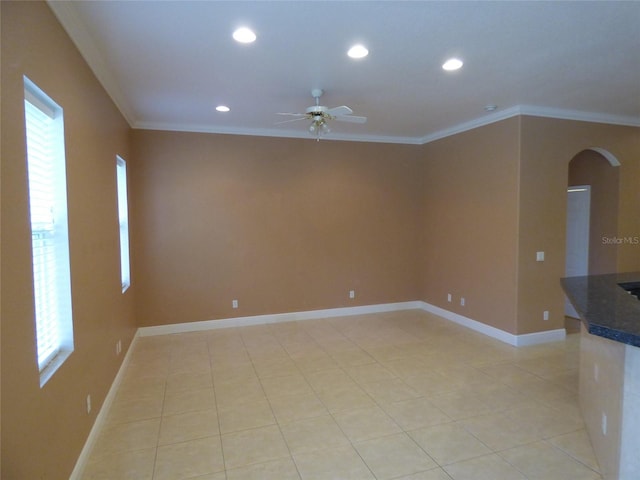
x,y
352,294
234,303
88,403
449,297
462,301
539,256
545,315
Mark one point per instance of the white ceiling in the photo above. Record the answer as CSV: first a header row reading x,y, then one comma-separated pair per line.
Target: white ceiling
x,y
167,64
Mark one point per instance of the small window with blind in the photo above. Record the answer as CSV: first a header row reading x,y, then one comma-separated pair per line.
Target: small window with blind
x,y
123,218
49,230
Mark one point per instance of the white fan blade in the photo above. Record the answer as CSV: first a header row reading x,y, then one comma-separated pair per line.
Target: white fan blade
x,y
342,110
294,114
293,120
351,119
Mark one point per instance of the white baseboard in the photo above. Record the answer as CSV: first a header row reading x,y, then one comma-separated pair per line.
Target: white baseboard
x,y
493,332
506,337
275,318
536,338
81,463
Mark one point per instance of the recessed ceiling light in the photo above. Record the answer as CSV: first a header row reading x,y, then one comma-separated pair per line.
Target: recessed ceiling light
x,y
244,35
358,51
222,108
452,64
490,108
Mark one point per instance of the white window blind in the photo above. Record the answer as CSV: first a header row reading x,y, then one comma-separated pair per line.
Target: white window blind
x,y
49,231
123,218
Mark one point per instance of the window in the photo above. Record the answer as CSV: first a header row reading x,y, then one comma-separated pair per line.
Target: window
x,y
123,217
49,229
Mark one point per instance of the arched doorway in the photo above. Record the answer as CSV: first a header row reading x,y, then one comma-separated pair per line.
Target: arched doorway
x,y
592,197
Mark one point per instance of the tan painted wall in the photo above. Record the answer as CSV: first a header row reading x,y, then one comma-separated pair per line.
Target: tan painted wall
x,y
548,145
470,218
43,430
591,168
280,225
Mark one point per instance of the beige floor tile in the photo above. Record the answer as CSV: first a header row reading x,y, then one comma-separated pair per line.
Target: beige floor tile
x,y
543,421
124,437
435,474
508,373
245,415
188,426
189,401
136,464
131,410
366,423
464,375
387,391
191,364
351,357
459,405
276,368
297,407
188,459
243,391
578,445
258,445
430,383
287,385
181,382
415,413
313,434
377,375
336,463
210,476
543,390
498,396
329,380
154,368
499,431
540,461
316,363
274,470
394,456
133,387
371,372
343,398
489,467
449,443
225,374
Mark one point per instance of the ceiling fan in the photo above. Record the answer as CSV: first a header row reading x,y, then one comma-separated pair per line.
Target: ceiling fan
x,y
319,115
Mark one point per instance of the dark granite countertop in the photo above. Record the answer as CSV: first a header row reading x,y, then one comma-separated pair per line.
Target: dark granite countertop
x,y
606,309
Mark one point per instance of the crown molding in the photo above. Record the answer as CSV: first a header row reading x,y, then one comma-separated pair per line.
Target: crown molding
x,y
84,42
533,111
255,132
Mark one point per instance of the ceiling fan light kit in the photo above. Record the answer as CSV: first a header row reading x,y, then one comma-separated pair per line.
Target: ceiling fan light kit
x,y
320,115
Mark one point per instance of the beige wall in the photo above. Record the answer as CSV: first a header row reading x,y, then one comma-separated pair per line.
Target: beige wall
x,y
591,168
44,429
469,216
280,225
548,145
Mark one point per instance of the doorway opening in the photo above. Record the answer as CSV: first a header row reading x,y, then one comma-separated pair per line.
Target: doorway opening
x,y
592,218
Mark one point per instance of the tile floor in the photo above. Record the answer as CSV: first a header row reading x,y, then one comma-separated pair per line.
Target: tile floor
x,y
401,395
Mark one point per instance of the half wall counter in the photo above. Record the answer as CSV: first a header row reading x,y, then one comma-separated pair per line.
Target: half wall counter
x,y
610,368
